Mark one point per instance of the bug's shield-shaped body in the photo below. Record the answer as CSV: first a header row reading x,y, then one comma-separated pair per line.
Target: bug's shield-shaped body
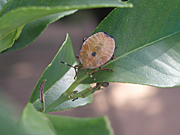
x,y
97,50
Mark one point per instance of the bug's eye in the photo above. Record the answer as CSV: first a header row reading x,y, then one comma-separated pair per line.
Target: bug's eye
x,y
93,54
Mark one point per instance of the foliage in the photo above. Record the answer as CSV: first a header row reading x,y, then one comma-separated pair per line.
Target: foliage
x,y
147,37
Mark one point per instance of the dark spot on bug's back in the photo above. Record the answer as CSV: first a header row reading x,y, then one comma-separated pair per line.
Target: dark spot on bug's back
x,y
93,54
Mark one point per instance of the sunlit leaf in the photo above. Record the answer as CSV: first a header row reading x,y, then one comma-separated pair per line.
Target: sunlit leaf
x,y
147,37
80,126
17,13
58,80
35,123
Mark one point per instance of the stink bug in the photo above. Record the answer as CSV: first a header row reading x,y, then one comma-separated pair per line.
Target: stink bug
x,y
95,51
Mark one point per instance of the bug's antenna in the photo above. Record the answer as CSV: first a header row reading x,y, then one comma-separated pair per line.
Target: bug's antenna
x,y
66,64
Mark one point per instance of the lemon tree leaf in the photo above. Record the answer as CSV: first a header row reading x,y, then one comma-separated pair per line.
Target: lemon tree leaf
x,y
147,37
34,122
18,13
59,77
79,126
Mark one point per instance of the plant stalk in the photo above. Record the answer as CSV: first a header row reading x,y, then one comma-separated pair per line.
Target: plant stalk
x,y
63,97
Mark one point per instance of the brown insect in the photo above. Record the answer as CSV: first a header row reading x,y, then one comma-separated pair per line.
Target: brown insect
x,y
95,51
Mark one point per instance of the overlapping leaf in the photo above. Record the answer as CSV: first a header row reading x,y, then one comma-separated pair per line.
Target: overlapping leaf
x,y
33,29
80,126
148,46
17,13
147,37
58,80
44,124
2,3
34,122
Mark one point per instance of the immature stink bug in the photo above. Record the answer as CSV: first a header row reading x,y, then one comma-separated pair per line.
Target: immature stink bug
x,y
95,51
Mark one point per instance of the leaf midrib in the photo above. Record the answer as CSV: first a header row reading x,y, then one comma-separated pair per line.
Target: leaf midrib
x,y
127,53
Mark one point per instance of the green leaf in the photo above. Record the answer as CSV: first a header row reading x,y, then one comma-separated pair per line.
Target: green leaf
x,y
7,40
33,29
8,117
25,11
147,37
35,123
58,80
2,3
80,126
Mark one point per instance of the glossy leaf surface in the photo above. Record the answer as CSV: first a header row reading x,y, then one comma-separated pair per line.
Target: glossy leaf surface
x,y
2,3
32,30
80,126
147,37
148,45
35,122
17,13
58,80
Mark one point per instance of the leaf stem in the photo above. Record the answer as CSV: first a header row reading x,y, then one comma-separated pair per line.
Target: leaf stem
x,y
74,95
72,87
63,97
54,104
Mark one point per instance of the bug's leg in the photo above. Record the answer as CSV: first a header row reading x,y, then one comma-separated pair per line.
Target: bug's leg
x,y
75,68
104,84
85,71
91,75
76,73
84,39
77,56
94,71
75,99
105,69
113,57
